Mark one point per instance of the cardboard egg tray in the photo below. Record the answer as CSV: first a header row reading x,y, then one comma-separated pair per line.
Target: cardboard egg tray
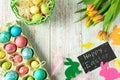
x,y
15,66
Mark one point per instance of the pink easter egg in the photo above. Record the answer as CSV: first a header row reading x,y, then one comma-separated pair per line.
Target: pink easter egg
x,y
21,41
17,58
23,70
10,48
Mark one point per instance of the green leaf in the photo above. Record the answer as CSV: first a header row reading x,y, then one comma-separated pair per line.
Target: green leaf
x,y
109,14
104,8
115,14
80,2
81,10
117,11
83,17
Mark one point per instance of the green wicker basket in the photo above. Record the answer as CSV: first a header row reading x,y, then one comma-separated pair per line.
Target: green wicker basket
x,y
28,22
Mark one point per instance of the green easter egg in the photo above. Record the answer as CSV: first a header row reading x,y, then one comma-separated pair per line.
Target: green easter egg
x,y
40,74
30,78
6,65
36,17
4,37
45,8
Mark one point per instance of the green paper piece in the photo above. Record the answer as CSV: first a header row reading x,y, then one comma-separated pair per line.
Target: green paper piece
x,y
72,70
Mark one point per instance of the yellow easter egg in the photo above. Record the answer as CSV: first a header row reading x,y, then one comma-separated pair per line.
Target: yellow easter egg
x,y
36,1
117,63
2,54
34,64
34,9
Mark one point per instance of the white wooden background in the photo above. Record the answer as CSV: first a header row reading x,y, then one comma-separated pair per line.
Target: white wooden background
x,y
60,35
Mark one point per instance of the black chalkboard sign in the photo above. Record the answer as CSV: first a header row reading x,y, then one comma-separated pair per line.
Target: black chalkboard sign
x,y
91,59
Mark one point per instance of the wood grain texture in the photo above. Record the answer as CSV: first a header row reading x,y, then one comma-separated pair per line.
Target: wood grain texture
x,y
60,35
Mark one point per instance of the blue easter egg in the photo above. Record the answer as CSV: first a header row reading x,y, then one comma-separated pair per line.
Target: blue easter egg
x,y
4,37
27,53
15,31
40,74
11,75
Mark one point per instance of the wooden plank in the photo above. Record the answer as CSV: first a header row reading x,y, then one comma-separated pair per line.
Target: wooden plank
x,y
65,33
59,36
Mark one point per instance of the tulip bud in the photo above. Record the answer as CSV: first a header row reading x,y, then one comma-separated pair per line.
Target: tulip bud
x,y
102,35
90,7
92,13
87,21
97,19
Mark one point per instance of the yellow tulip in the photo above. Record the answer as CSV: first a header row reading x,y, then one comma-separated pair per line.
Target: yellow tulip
x,y
97,19
92,13
87,21
90,7
102,35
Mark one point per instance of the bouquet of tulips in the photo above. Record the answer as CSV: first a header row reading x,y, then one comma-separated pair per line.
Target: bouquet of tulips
x,y
100,10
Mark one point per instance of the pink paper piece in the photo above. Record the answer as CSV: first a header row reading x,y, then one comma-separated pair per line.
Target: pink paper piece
x,y
58,62
87,76
108,73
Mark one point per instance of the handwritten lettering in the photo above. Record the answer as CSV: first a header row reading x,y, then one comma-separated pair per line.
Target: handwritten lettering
x,y
92,59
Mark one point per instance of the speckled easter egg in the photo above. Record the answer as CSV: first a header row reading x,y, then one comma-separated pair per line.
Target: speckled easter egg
x,y
10,48
45,8
6,65
34,9
23,70
36,2
27,53
2,54
15,31
21,41
36,17
11,75
17,58
30,78
4,37
40,74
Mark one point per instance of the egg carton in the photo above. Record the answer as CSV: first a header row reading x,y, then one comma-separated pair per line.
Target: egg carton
x,y
18,59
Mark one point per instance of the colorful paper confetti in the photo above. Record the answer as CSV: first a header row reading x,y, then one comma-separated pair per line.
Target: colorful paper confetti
x,y
72,70
108,73
115,36
117,63
87,45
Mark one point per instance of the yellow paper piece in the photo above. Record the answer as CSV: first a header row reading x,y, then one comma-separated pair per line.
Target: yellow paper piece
x,y
117,63
115,36
87,45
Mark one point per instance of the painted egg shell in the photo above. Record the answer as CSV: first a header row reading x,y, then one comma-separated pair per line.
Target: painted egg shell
x,y
21,41
40,74
34,9
30,78
11,75
15,31
36,17
6,65
23,70
2,54
34,64
36,1
27,53
17,58
44,8
10,48
4,37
